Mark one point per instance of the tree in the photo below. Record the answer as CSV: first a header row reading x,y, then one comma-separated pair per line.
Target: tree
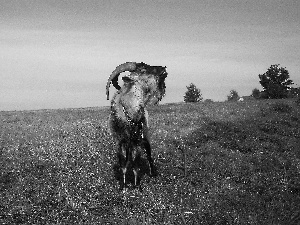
x,y
193,94
233,96
275,82
255,93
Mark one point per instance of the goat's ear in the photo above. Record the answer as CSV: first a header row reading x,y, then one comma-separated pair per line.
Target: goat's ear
x,y
127,79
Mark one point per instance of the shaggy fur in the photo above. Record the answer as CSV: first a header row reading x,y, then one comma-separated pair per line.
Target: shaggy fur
x,y
128,121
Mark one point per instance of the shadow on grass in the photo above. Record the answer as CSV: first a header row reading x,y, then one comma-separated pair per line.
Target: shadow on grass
x,y
247,168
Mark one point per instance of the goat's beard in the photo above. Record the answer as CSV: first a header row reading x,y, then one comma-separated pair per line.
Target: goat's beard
x,y
153,101
156,97
161,90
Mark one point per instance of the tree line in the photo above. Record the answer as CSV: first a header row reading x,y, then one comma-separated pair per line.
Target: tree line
x,y
276,84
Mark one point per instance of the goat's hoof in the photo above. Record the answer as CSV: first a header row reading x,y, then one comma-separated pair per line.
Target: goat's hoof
x,y
124,191
136,172
153,173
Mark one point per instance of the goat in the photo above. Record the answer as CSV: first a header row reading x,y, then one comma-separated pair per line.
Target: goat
x,y
128,120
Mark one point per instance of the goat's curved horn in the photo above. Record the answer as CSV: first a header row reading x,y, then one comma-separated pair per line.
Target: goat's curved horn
x,y
128,66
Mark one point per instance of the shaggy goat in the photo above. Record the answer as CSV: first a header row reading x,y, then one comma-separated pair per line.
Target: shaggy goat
x,y
128,121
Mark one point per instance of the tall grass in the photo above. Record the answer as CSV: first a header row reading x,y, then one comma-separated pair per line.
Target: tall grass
x,y
218,163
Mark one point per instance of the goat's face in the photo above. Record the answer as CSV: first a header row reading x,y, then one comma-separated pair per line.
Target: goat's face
x,y
151,79
152,85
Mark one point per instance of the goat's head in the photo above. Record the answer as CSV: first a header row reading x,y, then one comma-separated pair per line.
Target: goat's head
x,y
150,78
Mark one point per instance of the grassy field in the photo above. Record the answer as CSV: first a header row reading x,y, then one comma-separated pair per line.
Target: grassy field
x,y
218,163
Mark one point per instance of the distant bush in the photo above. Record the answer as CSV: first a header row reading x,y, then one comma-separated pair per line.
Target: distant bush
x,y
281,107
233,96
263,95
293,92
255,93
208,101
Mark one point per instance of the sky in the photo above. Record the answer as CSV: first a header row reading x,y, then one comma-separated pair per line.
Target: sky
x,y
60,53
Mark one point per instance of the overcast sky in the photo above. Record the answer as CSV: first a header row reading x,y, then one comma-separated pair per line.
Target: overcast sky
x,y
59,53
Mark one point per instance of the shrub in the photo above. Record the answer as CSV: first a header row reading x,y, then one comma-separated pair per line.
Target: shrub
x,y
208,101
255,93
233,96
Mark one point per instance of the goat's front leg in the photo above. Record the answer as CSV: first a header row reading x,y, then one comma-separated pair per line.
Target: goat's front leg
x,y
136,164
146,143
147,147
123,160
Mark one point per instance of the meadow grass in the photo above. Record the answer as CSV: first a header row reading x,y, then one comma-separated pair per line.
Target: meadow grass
x,y
218,163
